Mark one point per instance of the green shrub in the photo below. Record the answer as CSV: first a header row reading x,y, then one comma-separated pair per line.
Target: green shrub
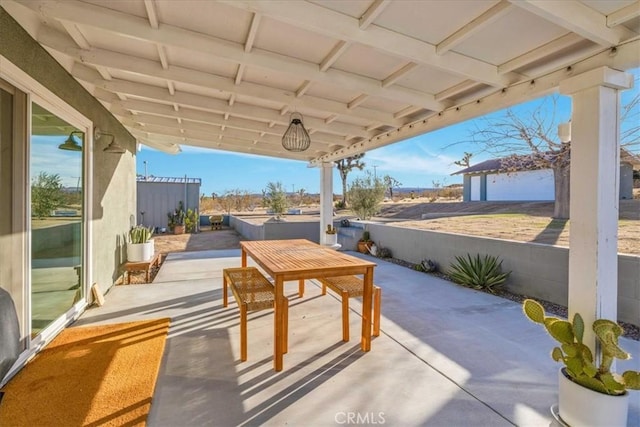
x,y
365,195
478,272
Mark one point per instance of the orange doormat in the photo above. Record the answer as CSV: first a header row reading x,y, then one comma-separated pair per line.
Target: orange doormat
x,y
89,376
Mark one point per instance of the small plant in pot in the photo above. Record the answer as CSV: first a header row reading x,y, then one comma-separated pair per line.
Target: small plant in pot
x,y
589,393
140,246
365,243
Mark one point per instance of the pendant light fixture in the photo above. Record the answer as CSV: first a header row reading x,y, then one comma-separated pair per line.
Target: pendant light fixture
x,y
296,138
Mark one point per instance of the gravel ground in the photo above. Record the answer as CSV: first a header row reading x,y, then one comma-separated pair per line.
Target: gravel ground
x,y
631,331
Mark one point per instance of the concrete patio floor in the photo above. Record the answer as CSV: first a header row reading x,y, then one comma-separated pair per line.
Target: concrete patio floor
x,y
446,356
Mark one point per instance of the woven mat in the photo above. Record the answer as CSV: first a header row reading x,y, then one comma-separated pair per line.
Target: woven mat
x,y
89,376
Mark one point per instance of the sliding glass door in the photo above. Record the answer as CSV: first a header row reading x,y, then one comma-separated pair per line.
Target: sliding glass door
x,y
57,217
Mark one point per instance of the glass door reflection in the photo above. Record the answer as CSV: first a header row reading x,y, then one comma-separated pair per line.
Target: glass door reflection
x,y
56,164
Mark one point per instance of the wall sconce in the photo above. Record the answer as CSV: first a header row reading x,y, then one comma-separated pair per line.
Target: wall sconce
x,y
71,144
296,138
113,146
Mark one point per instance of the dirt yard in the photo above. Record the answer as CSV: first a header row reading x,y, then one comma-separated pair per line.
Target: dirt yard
x,y
524,222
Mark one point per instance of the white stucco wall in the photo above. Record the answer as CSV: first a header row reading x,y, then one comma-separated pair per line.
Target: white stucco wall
x,y
526,185
475,188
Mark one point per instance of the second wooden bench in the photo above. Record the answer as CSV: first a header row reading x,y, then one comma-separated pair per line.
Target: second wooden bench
x,y
349,287
252,292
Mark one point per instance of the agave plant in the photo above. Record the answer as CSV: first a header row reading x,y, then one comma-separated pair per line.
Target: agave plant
x,y
577,357
478,272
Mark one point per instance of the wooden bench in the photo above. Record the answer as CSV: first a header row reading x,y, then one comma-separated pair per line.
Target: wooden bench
x,y
252,292
142,266
349,287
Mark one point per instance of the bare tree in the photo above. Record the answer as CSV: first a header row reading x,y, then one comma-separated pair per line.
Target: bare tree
x,y
391,183
345,166
531,142
465,162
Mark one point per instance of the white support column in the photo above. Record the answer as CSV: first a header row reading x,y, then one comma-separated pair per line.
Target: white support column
x,y
595,174
326,198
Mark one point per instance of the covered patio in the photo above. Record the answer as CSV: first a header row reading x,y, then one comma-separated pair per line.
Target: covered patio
x,y
227,75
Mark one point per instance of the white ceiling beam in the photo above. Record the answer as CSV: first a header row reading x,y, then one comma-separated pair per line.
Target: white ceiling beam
x,y
372,13
206,128
253,30
406,111
239,74
357,101
623,15
340,48
550,48
207,103
397,75
343,27
304,87
97,57
131,26
225,143
577,17
121,108
166,147
626,57
152,14
171,87
456,89
76,35
162,54
471,28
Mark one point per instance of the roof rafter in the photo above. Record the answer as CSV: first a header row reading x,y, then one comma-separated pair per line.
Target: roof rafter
x,y
473,27
346,28
114,60
577,17
137,28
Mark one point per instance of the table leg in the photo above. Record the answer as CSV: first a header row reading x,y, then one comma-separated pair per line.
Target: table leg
x,y
365,343
278,320
244,258
301,288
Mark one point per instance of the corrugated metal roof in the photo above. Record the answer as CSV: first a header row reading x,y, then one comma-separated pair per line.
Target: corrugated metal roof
x,y
170,180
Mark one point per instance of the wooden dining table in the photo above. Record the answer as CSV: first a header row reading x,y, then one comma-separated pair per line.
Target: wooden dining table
x,y
300,259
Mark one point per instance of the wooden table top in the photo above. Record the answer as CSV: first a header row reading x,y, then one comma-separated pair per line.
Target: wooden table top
x,y
300,258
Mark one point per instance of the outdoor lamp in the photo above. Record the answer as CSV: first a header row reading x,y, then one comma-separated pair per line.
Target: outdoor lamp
x,y
71,144
296,137
113,146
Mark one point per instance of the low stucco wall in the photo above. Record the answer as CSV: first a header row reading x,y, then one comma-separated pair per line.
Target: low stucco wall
x,y
538,271
276,230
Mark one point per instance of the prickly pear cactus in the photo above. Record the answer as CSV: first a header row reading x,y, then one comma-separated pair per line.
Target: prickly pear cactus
x,y
578,358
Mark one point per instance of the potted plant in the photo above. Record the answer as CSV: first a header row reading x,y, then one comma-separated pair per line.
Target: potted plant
x,y
140,245
589,394
331,236
177,218
365,243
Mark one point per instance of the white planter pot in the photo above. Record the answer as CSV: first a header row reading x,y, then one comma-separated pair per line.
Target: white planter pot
x,y
137,252
580,406
330,239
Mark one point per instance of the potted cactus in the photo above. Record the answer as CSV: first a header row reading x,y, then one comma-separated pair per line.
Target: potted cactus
x,y
365,243
140,245
589,393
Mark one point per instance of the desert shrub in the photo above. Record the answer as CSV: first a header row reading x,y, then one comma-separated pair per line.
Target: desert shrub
x,y
383,252
478,272
365,195
426,266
